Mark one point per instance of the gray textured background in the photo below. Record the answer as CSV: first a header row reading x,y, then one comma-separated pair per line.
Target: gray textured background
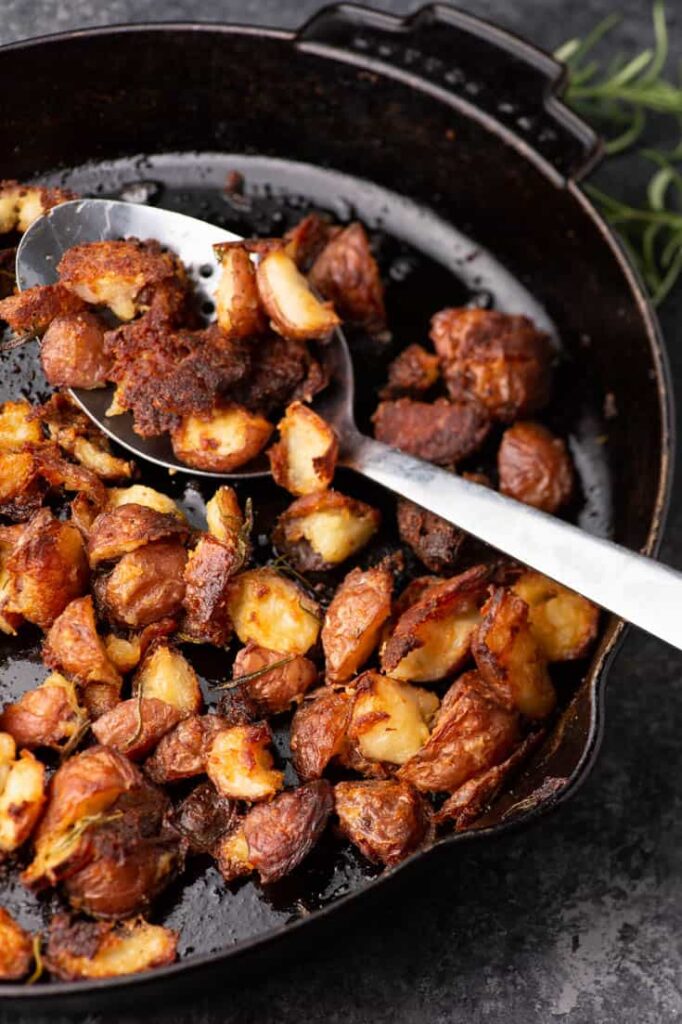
x,y
578,920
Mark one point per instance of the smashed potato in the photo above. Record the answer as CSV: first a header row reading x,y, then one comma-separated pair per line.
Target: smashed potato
x,y
16,949
354,621
74,646
18,427
140,494
167,675
182,752
22,795
30,313
72,352
535,467
413,372
304,459
95,949
272,680
321,530
240,766
208,572
134,727
390,719
293,309
237,302
435,542
444,432
318,731
48,716
562,622
225,520
21,204
147,585
273,612
386,819
347,273
21,488
127,527
221,440
204,817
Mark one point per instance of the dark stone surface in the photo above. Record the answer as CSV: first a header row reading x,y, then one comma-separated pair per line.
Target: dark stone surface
x,y
578,919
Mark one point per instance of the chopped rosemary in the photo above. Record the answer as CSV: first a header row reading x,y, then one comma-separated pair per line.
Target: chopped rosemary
x,y
256,674
82,826
74,741
38,958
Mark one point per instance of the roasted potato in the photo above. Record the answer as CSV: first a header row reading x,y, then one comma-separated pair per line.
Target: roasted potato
x,y
225,520
294,311
562,622
502,359
127,527
126,652
273,612
308,237
182,753
21,204
22,795
237,302
21,487
318,731
208,572
167,675
48,716
444,432
413,372
390,719
99,699
80,949
61,474
204,817
386,819
221,440
473,732
535,467
232,854
146,586
435,542
236,706
304,459
432,639
78,437
74,646
134,727
273,689
72,352
510,659
347,273
321,530
18,426
31,312
16,949
240,766
140,494
354,621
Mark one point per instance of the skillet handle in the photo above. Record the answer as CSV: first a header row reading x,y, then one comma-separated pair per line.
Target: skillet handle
x,y
491,74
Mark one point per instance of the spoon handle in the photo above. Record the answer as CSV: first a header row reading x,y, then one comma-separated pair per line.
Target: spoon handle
x,y
633,586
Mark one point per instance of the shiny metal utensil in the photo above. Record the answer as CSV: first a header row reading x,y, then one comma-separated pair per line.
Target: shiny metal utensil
x,y
632,586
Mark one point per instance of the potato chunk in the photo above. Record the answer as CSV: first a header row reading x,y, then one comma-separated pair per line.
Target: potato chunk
x,y
293,309
21,488
321,530
140,494
535,467
22,795
386,819
127,527
237,302
562,622
48,716
147,585
304,459
432,639
225,520
222,440
274,689
273,612
204,817
318,731
72,352
434,541
74,646
444,432
354,621
167,675
134,727
208,572
509,657
347,273
240,766
412,373
80,949
17,427
16,949
390,720
182,753
32,311
21,204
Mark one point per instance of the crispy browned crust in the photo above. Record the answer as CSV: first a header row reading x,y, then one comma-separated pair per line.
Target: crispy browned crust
x,y
283,371
208,571
274,691
74,646
80,949
280,834
535,467
237,707
22,488
16,949
128,527
181,754
413,372
354,621
141,263
240,763
221,439
386,819
204,816
47,716
134,727
146,585
347,273
38,198
435,542
318,731
287,535
72,352
33,310
444,432
306,240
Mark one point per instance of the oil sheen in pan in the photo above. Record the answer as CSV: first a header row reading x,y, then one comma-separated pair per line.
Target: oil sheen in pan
x,y
428,264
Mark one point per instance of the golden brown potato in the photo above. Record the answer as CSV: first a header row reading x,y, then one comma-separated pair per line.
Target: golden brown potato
x,y
21,488
232,854
434,541
48,716
147,585
204,817
95,949
46,570
386,819
273,689
240,766
444,432
304,459
473,732
74,646
412,373
225,520
432,639
390,719
273,612
21,204
167,675
22,795
72,352
125,652
18,427
32,311
346,272
509,657
140,494
16,949
134,727
535,467
60,474
281,833
308,237
208,572
321,530
127,527
221,440
318,731
354,621
503,359
100,698
237,302
562,622
293,309
182,753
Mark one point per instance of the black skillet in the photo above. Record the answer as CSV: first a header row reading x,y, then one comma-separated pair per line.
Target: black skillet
x,y
443,133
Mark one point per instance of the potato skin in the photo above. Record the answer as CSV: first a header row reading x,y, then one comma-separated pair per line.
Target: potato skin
x,y
564,623
74,646
237,302
126,528
275,691
80,949
204,817
535,467
413,372
208,571
16,949
146,585
134,727
443,432
354,620
72,352
47,716
304,459
347,273
281,833
182,752
318,731
318,531
221,440
386,819
435,542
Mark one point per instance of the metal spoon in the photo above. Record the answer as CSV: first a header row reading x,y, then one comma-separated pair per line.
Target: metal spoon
x,y
632,586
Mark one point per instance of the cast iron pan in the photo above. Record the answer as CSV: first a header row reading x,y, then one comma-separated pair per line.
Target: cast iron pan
x,y
444,134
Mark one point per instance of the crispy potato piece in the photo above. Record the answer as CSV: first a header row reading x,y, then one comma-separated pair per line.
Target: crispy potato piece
x,y
127,527
72,352
535,467
21,488
140,494
20,204
182,753
74,646
204,817
308,237
435,542
224,518
346,272
318,731
22,795
167,675
222,440
509,657
562,622
321,530
293,309
273,612
390,719
18,427
237,707
16,949
281,833
237,302
386,819
95,455
432,639
239,763
413,372
46,570
125,653
354,621
95,949
147,585
9,537
232,854
503,359
208,572
48,716
32,311
444,432
304,459
135,726
59,473
473,732
273,690
100,698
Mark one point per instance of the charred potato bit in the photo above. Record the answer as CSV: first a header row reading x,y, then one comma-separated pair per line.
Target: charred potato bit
x,y
32,311
318,731
500,358
304,459
16,949
134,727
72,352
20,204
127,527
94,949
321,530
48,716
167,675
237,302
59,473
510,659
535,467
435,542
22,795
293,309
473,732
444,432
347,273
562,622
125,652
386,820
74,646
208,572
239,763
274,689
221,440
413,372
182,753
18,426
390,719
272,611
146,586
139,494
432,639
354,621
204,817
225,520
